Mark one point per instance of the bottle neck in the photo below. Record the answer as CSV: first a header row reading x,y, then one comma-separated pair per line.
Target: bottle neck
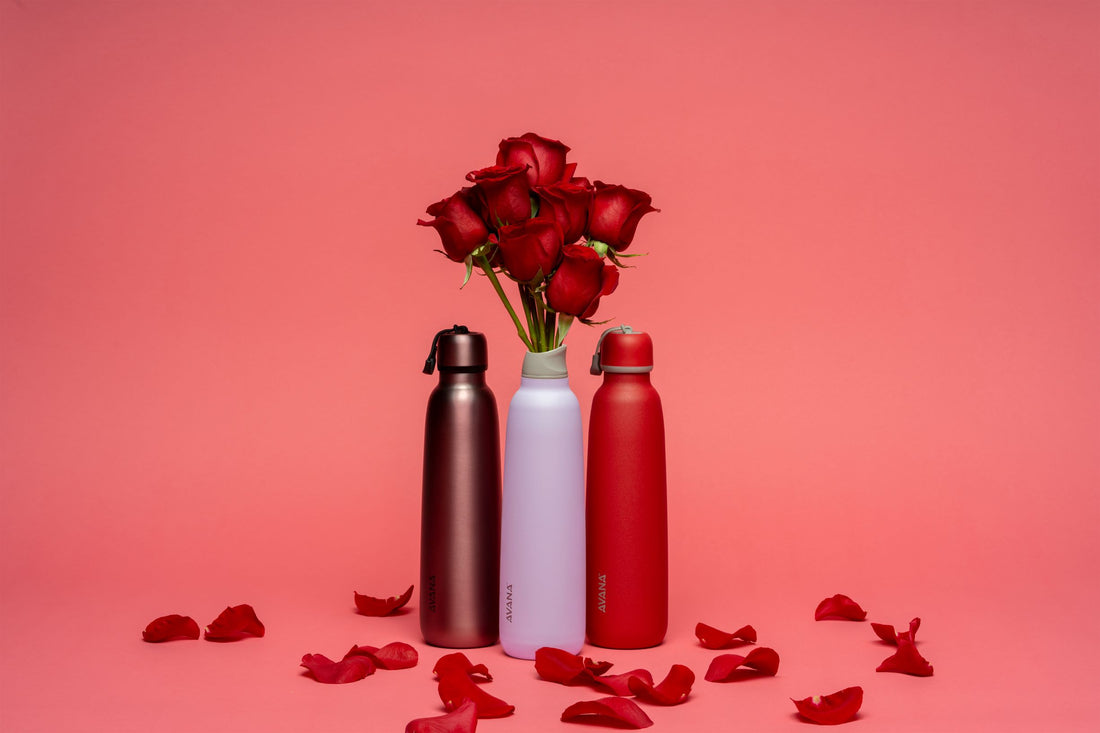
x,y
557,383
446,376
620,378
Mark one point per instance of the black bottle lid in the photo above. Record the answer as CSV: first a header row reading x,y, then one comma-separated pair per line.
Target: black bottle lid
x,y
458,349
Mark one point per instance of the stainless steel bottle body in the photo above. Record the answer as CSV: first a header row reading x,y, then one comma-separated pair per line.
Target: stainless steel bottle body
x,y
460,527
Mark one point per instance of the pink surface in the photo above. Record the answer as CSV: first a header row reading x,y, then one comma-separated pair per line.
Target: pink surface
x,y
873,290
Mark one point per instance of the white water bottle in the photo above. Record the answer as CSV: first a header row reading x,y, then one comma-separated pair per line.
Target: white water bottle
x,y
542,521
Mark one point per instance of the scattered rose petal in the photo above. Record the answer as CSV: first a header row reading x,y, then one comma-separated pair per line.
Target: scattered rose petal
x,y
839,608
619,684
834,709
557,665
235,622
597,668
712,638
348,669
761,662
396,655
458,662
886,632
370,606
454,689
614,712
173,626
462,720
906,659
673,690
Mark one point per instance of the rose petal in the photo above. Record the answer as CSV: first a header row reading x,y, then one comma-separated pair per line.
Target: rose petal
x,y
235,622
886,632
839,608
348,669
371,606
458,662
712,638
173,626
619,684
761,662
395,655
462,720
673,690
839,707
558,665
454,689
597,668
906,660
614,712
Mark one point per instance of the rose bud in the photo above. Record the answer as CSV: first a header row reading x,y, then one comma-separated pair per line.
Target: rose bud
x,y
546,158
579,281
567,204
458,225
505,192
530,248
615,213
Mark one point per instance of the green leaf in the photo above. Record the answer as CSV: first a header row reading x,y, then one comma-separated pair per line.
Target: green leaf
x,y
469,270
564,322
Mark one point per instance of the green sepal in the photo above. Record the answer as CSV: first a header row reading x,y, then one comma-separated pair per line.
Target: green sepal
x,y
602,249
617,258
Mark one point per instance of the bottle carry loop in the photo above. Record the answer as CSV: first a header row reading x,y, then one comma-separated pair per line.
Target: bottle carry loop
x,y
429,363
598,368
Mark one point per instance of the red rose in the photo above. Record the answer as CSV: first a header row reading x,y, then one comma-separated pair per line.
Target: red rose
x,y
505,192
530,247
458,224
580,280
567,204
546,158
615,213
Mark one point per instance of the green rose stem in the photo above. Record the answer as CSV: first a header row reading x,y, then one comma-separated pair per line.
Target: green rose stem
x,y
484,262
533,305
528,311
543,318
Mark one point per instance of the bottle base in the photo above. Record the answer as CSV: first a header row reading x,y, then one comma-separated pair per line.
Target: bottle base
x,y
625,645
521,650
461,642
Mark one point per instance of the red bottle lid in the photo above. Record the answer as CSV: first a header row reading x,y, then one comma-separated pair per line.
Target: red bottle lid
x,y
622,350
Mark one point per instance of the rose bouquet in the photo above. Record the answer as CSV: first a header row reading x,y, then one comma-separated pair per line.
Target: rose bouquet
x,y
560,238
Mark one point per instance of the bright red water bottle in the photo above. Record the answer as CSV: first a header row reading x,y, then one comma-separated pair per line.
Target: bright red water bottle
x,y
627,514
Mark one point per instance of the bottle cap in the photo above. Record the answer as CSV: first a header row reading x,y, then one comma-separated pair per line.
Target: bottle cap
x,y
622,350
545,364
458,349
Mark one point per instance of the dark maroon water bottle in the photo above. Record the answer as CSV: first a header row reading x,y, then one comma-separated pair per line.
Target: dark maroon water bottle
x,y
460,514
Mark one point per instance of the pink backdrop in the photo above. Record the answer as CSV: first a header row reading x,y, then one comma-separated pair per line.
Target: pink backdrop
x,y
873,287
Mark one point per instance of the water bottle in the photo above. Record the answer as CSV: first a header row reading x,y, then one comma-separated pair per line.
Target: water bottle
x,y
627,515
542,531
460,513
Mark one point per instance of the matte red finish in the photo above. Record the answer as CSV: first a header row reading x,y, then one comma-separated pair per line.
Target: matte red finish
x,y
627,515
626,350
